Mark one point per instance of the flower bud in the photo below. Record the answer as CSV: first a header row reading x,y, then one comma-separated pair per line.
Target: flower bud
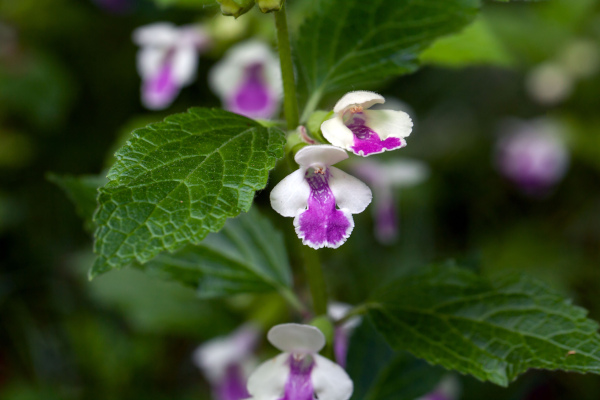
x,y
235,7
270,5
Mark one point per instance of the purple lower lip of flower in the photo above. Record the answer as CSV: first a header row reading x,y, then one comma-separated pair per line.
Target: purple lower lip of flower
x,y
299,385
233,386
253,98
160,90
322,225
367,141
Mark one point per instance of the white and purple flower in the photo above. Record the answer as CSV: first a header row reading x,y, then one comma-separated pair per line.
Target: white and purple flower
x,y
385,178
248,80
311,194
341,339
533,155
299,373
362,131
167,60
227,362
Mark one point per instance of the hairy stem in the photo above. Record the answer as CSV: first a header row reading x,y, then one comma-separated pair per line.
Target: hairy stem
x,y
316,280
290,100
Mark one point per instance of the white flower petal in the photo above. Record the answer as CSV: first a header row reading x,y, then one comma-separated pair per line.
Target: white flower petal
x,y
296,338
350,193
337,310
267,382
225,77
337,133
150,61
185,65
160,34
360,98
330,381
290,195
323,154
389,123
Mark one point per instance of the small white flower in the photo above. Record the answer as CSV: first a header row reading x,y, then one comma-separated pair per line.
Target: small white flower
x,y
167,60
248,80
227,362
311,194
385,178
549,83
364,132
299,373
533,155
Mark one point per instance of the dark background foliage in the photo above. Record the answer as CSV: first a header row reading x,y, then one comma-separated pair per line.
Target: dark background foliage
x,y
69,90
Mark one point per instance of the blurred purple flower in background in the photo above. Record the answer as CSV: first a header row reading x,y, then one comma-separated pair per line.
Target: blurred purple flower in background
x,y
167,60
228,361
342,334
385,178
533,155
248,80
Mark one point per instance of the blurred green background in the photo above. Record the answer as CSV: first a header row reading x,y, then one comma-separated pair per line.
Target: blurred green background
x,y
69,91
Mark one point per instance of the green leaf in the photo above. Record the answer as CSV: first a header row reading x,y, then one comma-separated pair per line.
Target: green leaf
x,y
354,44
491,329
82,191
247,255
475,45
379,374
178,180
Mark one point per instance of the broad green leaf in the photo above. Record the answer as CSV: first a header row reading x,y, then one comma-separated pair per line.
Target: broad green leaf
x,y
178,180
491,329
247,255
82,191
379,374
475,45
354,44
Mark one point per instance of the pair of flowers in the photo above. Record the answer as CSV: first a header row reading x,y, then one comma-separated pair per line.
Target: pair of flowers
x,y
299,373
322,198
247,79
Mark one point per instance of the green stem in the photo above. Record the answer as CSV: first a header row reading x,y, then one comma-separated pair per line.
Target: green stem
x,y
311,105
290,100
316,281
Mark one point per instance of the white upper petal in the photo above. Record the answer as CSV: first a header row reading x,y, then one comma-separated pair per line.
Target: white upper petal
x,y
358,98
337,133
322,154
291,194
150,60
185,65
267,382
337,310
225,77
330,381
296,338
160,34
350,193
389,123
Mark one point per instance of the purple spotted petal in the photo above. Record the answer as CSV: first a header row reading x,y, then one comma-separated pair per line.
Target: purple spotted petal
x,y
299,385
322,225
159,91
253,98
386,221
367,141
340,345
233,386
